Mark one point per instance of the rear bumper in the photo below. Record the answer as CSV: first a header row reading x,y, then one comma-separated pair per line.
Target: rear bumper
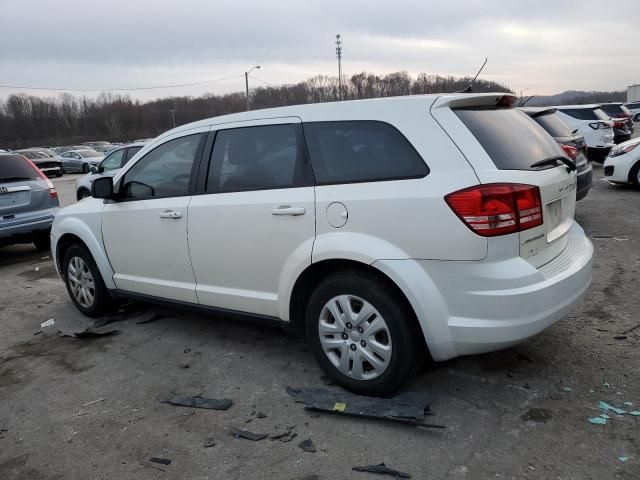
x,y
585,179
598,154
483,306
22,228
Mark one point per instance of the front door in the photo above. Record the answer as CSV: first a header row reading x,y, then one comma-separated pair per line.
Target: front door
x,y
255,221
145,233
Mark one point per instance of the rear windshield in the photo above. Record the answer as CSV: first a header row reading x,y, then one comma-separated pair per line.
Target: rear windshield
x,y
553,124
510,137
14,168
582,113
615,110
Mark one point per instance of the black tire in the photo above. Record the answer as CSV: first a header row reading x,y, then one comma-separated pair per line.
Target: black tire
x,y
633,175
407,349
85,168
102,302
83,193
42,240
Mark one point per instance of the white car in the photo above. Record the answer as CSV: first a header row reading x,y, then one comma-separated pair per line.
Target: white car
x,y
594,125
634,107
623,163
381,229
110,165
80,160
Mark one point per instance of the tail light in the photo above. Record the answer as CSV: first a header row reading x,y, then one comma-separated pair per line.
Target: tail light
x,y
52,189
570,151
619,124
497,208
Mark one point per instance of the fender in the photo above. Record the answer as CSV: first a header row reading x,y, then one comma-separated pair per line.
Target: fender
x,y
91,235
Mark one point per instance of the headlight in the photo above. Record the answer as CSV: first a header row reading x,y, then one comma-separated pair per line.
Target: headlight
x,y
621,150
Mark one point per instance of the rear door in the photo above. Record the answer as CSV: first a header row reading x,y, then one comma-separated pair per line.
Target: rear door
x,y
501,144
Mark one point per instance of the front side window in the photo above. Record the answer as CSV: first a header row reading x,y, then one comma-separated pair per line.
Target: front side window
x,y
258,158
361,151
165,171
113,161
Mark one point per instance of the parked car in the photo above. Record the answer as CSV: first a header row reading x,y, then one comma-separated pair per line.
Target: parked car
x,y
51,166
28,202
80,160
68,148
593,125
101,146
573,145
380,228
634,108
623,163
110,165
623,126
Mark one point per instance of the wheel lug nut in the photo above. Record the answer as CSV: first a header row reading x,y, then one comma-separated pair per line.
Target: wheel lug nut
x,y
345,336
353,346
349,325
360,330
363,343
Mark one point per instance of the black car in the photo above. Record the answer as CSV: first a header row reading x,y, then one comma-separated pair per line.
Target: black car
x,y
50,166
623,126
572,145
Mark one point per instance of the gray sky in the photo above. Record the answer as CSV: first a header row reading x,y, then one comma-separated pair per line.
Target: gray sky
x,y
541,47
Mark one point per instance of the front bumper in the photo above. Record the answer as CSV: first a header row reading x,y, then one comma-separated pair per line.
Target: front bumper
x,y
490,305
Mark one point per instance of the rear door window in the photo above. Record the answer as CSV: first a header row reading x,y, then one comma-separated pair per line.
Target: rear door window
x,y
510,137
361,151
15,168
553,124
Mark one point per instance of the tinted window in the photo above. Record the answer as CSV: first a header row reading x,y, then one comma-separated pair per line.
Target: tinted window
x,y
113,161
89,153
131,151
581,113
164,171
633,106
361,151
553,124
14,168
30,154
512,139
613,110
258,158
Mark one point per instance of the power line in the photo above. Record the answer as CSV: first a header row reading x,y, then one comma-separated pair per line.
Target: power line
x,y
260,80
22,87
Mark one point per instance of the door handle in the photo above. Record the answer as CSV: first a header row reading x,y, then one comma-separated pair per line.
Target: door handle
x,y
287,210
170,214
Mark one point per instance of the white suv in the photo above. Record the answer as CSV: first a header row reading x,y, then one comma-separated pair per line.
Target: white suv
x,y
381,229
594,125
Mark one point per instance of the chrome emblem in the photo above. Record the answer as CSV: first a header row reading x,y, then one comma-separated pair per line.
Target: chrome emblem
x,y
4,190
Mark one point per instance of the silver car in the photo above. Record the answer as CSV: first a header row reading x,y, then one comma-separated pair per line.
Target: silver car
x,y
28,202
110,166
80,160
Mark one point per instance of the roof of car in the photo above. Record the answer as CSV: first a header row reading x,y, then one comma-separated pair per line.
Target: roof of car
x,y
590,106
534,111
612,103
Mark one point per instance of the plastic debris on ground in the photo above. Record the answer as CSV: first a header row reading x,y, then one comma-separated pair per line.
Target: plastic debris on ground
x,y
609,408
209,442
623,458
567,389
635,413
598,421
248,435
285,436
307,446
49,323
382,469
88,332
408,408
161,461
197,402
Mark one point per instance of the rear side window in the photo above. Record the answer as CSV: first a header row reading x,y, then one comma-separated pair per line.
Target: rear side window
x,y
361,151
512,139
581,113
613,110
553,124
258,158
15,168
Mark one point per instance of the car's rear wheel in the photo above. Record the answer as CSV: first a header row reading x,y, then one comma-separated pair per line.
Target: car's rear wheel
x,y
83,193
362,335
42,240
634,175
85,168
84,282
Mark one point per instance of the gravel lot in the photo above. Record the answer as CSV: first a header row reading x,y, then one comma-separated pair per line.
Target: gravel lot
x,y
519,413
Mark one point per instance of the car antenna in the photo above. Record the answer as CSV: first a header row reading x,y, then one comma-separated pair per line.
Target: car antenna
x,y
522,104
469,88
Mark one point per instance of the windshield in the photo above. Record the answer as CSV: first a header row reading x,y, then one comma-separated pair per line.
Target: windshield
x,y
14,167
30,154
510,137
89,153
553,124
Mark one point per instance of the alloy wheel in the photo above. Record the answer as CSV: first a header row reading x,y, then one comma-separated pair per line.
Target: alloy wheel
x,y
81,282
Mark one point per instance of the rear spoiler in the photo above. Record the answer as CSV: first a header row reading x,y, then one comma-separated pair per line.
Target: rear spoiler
x,y
503,100
535,113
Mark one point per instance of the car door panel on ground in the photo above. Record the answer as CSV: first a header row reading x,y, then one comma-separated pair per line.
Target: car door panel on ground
x,y
255,216
156,193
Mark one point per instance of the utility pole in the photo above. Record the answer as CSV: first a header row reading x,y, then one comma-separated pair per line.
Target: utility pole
x,y
173,118
339,55
246,83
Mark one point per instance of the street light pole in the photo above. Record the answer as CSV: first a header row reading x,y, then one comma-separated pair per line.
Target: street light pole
x,y
246,83
339,55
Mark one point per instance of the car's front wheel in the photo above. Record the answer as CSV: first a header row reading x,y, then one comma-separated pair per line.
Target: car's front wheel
x,y
83,193
362,334
85,168
84,282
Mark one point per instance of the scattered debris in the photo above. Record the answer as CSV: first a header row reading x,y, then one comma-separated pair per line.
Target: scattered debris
x,y
604,415
88,332
606,407
94,401
48,323
623,458
286,436
187,350
567,389
635,413
149,317
307,446
248,435
629,330
382,469
184,365
539,415
209,442
261,415
37,269
161,461
620,337
197,402
628,404
598,421
408,408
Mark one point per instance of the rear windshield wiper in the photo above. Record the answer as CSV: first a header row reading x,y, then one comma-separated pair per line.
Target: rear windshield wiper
x,y
13,179
553,160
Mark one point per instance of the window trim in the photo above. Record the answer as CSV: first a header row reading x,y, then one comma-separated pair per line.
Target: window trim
x,y
381,179
193,173
207,161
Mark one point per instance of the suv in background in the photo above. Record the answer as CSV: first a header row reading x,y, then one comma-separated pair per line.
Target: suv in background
x,y
50,166
111,165
28,202
378,228
634,108
623,126
572,145
595,126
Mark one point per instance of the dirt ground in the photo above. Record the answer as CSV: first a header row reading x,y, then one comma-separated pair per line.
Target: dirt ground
x,y
75,408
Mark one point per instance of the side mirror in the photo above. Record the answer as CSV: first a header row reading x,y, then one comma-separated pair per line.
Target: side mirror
x,y
102,188
94,170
